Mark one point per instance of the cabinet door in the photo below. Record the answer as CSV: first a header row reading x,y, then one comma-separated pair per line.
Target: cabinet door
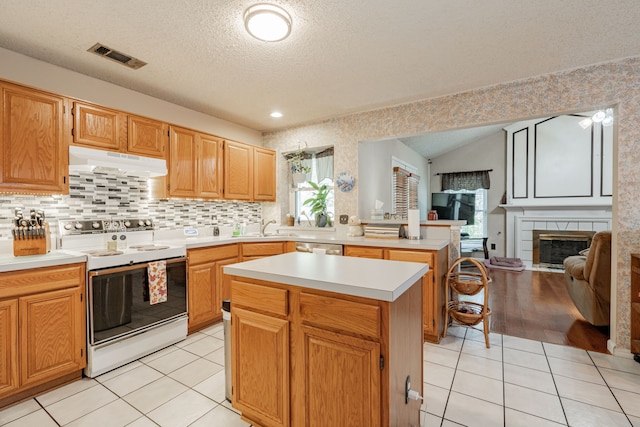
x,y
33,157
52,335
264,175
261,378
202,294
98,127
238,171
223,281
146,137
429,301
210,167
183,173
332,396
8,346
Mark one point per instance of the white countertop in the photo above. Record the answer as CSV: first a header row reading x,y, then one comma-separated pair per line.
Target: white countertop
x,y
9,262
336,237
370,278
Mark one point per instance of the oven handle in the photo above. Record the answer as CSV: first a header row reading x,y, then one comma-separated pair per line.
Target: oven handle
x,y
131,267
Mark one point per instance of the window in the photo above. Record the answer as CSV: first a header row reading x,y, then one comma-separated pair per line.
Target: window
x,y
321,163
404,189
479,228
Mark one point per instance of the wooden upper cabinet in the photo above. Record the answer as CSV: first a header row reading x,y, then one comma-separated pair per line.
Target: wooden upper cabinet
x,y
146,137
210,166
183,171
264,175
99,127
34,155
238,171
194,164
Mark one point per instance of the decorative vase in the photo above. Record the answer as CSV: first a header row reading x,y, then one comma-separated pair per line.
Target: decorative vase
x,y
321,220
298,177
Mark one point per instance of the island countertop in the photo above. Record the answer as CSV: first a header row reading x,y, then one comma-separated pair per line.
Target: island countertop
x,y
370,278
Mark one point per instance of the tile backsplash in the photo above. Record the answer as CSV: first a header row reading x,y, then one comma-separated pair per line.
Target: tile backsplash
x,y
104,195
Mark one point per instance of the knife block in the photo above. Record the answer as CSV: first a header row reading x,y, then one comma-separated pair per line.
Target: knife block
x,y
33,246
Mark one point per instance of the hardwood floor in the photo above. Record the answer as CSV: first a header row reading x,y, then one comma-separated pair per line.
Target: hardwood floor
x,y
536,305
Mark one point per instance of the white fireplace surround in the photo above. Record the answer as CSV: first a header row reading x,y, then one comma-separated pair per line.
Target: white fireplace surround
x,y
522,220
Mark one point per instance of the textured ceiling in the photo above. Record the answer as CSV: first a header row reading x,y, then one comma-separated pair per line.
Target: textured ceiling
x,y
342,56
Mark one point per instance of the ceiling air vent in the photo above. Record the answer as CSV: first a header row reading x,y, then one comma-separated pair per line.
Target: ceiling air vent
x,y
114,55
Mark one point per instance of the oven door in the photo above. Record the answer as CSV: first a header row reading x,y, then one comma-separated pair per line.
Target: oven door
x,y
118,303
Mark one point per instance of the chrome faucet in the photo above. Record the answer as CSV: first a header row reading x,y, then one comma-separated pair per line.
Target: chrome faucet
x,y
264,226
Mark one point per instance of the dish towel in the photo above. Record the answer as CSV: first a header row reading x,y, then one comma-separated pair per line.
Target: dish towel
x,y
157,274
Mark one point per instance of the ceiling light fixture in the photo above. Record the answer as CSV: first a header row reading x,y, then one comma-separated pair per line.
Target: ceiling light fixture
x,y
267,22
601,116
276,114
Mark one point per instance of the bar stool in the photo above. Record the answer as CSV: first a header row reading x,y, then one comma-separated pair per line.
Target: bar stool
x,y
469,282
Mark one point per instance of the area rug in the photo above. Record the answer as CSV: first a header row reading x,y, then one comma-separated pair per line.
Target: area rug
x,y
498,267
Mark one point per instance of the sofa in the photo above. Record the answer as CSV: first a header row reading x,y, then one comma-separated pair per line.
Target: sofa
x,y
588,279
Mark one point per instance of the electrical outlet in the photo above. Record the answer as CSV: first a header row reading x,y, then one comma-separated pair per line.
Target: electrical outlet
x,y
344,219
493,246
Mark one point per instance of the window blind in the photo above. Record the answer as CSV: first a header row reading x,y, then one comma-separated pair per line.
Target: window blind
x,y
405,192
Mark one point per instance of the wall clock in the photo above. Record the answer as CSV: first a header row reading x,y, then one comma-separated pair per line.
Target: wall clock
x,y
345,182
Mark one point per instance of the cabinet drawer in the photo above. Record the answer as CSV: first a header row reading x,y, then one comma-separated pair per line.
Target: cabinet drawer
x,y
339,314
262,298
41,280
412,256
202,255
261,249
363,252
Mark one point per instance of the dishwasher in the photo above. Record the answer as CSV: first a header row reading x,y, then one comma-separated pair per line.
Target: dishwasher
x,y
319,248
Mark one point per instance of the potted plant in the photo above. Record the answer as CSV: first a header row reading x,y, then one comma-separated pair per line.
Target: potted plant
x,y
299,170
318,204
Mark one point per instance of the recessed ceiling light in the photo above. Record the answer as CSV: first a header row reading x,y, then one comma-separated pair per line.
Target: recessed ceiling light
x,y
276,114
267,22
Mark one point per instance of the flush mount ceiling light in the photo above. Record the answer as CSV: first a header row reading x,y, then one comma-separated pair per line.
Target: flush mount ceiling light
x,y
267,22
276,114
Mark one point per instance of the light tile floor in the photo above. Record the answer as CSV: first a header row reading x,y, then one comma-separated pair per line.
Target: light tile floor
x,y
515,383
520,382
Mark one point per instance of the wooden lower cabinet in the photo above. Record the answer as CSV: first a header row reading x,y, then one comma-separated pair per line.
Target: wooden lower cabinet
x,y
263,388
207,288
303,357
51,337
328,358
8,346
259,250
433,282
42,329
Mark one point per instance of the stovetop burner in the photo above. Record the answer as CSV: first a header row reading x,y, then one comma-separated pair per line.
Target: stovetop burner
x,y
103,252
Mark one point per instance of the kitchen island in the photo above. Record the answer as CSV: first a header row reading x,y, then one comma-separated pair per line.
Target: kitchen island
x,y
325,340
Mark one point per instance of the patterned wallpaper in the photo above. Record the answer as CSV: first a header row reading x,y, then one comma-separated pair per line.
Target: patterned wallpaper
x,y
100,195
614,84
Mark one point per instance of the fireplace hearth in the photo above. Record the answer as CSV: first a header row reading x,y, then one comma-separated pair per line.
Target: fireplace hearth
x,y
551,247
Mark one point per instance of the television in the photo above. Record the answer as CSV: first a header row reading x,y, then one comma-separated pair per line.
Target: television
x,y
454,206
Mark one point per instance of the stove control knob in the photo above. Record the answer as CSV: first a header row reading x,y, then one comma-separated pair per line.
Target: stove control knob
x,y
127,224
147,222
67,226
95,224
78,226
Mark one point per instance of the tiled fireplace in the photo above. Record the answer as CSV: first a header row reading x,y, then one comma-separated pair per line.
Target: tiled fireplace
x,y
555,223
550,248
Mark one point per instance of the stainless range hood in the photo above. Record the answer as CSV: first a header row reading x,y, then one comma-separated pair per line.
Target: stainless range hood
x,y
92,160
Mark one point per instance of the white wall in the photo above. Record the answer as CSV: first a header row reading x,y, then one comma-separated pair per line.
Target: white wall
x,y
374,175
485,153
32,72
